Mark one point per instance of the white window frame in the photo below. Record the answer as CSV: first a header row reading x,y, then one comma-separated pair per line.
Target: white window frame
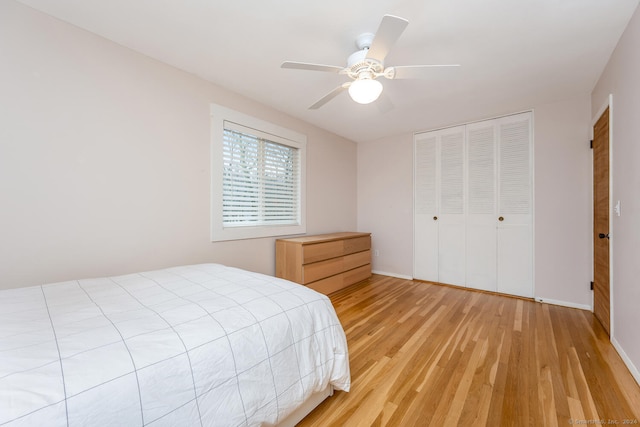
x,y
275,133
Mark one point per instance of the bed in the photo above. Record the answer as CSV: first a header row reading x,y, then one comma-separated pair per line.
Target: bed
x,y
200,345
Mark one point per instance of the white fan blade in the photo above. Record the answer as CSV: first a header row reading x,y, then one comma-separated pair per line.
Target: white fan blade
x,y
388,33
312,67
414,71
328,97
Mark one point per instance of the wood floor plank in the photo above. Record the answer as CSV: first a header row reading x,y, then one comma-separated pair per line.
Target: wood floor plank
x,y
424,354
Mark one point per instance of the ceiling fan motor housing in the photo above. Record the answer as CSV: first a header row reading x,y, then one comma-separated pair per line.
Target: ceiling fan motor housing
x,y
358,63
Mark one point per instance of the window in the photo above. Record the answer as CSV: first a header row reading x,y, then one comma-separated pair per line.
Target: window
x,y
257,178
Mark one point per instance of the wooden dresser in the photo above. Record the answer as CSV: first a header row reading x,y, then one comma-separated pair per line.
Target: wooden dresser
x,y
325,262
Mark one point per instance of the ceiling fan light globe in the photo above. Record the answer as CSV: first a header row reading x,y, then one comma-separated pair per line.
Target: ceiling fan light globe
x,y
365,91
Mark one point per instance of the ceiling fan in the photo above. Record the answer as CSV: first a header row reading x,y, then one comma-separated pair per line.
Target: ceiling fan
x,y
367,64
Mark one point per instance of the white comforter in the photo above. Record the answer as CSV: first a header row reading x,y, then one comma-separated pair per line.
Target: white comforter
x,y
187,346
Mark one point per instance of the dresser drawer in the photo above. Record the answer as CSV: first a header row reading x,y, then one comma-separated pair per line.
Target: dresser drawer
x,y
321,251
321,269
339,281
356,245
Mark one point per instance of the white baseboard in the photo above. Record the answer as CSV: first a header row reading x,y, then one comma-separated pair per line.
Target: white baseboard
x,y
627,361
564,303
399,276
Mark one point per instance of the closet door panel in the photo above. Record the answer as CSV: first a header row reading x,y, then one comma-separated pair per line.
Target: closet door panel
x,y
426,207
451,259
481,257
515,206
515,168
426,249
481,206
451,219
515,260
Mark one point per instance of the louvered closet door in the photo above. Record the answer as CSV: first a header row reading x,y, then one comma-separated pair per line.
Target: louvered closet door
x,y
439,218
482,205
515,206
451,218
426,207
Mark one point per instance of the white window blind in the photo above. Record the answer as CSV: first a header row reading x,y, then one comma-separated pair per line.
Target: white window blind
x,y
261,179
258,177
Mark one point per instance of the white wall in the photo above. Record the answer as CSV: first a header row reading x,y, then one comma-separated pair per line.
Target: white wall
x,y
104,160
620,78
562,201
563,188
385,202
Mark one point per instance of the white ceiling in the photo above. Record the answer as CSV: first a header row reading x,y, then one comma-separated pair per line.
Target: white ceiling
x,y
515,54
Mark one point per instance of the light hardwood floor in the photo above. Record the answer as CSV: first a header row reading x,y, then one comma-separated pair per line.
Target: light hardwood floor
x,y
424,354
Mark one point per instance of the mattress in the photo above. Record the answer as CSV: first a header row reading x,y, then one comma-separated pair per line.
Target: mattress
x,y
194,345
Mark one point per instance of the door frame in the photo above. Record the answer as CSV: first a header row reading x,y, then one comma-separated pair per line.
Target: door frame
x,y
607,104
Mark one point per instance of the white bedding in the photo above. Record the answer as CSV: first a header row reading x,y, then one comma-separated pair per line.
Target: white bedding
x,y
187,346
